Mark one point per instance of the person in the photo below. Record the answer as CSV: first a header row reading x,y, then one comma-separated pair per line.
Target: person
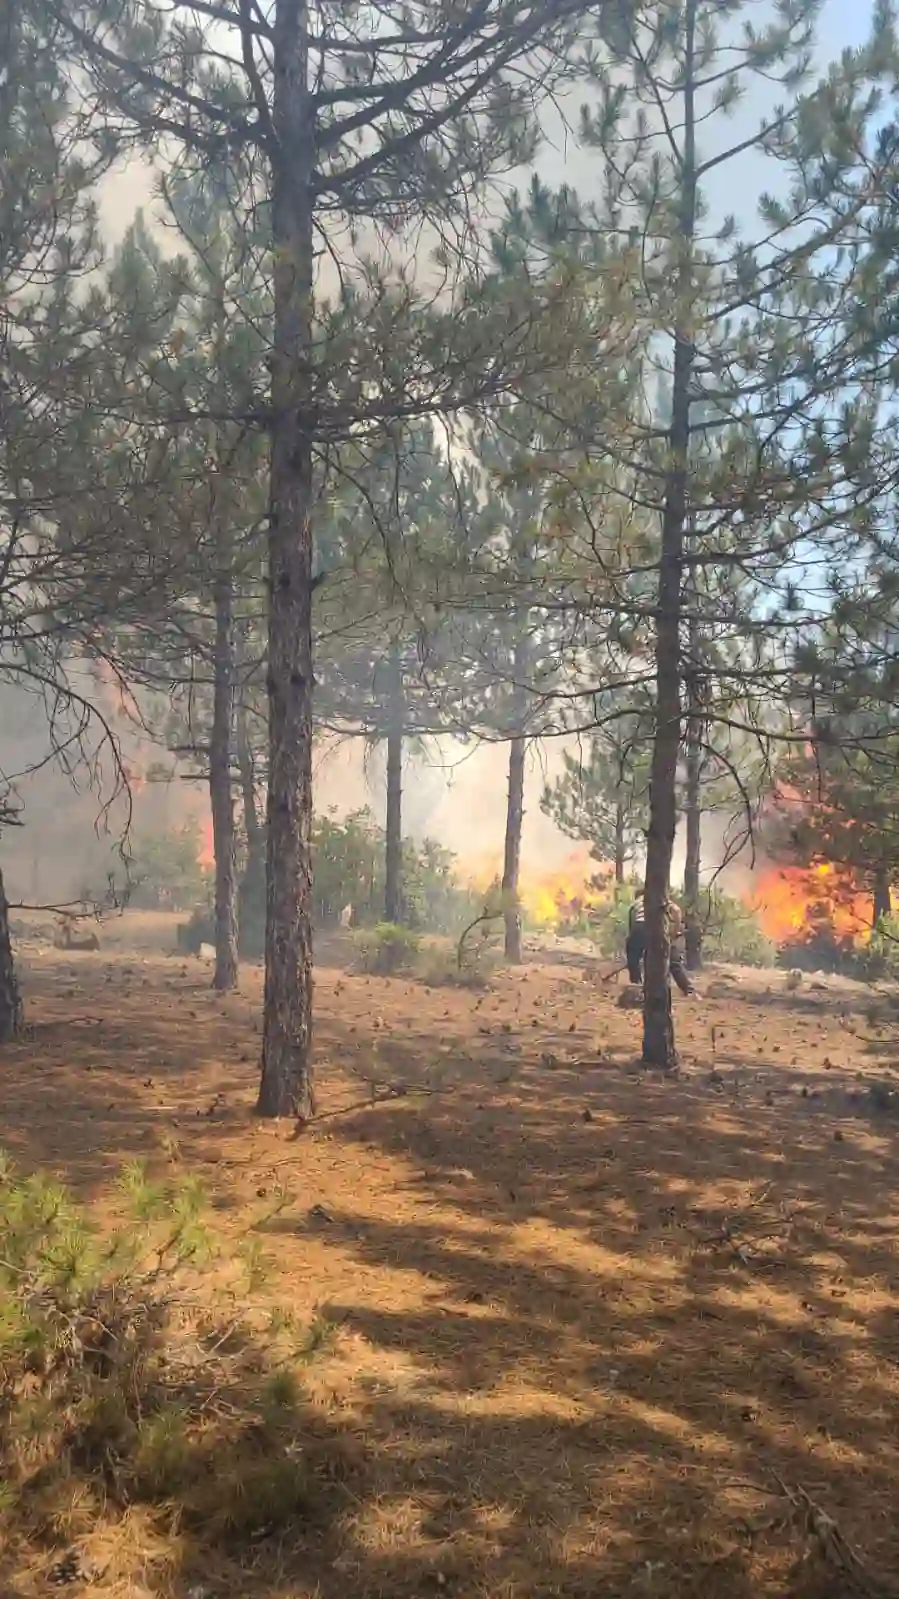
x,y
635,944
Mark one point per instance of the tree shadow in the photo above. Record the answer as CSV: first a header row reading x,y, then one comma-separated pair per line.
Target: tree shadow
x,y
593,1327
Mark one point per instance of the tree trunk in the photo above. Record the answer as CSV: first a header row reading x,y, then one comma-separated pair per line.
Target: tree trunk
x,y
10,999
254,869
693,928
394,909
883,900
220,795
659,1047
512,852
620,851
251,893
286,1087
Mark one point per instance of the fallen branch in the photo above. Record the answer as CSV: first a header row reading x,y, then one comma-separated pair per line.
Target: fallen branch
x,y
836,1549
487,915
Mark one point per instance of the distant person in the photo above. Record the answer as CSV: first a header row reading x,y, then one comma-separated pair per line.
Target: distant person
x,y
635,944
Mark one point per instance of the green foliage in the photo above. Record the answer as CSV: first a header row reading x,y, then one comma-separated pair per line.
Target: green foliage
x,y
730,931
609,922
602,795
839,801
348,869
385,948
122,1384
883,948
438,965
166,870
733,933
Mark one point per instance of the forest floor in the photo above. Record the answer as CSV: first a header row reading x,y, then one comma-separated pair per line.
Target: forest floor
x,y
591,1331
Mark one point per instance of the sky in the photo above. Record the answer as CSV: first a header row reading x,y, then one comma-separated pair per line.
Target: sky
x,y
843,23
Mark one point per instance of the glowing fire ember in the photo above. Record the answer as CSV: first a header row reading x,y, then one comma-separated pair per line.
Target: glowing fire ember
x,y
795,902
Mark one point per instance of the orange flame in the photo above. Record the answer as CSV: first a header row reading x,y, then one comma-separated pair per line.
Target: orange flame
x,y
795,902
550,899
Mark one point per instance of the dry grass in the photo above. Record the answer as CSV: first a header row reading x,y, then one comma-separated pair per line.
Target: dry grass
x,y
578,1329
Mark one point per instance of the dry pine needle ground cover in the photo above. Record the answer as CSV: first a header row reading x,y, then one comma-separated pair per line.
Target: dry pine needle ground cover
x,y
571,1330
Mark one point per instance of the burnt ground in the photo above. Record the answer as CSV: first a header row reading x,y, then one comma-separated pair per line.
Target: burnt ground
x,y
593,1332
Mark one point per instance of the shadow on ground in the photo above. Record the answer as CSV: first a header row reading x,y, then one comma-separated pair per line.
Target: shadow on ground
x,y
596,1332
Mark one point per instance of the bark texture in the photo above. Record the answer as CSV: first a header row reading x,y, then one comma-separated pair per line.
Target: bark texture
x,y
512,850
220,794
693,920
883,899
620,844
659,1046
394,901
286,1087
254,833
11,1014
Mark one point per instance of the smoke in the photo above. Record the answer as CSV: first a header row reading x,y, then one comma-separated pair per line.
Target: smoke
x,y
455,794
79,822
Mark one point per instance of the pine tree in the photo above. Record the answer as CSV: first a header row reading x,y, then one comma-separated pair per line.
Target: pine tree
x,y
48,329
602,794
336,120
395,515
840,804
510,640
752,336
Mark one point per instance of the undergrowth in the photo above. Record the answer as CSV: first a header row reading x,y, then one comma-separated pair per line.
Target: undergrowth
x,y
385,949
438,966
390,951
128,1386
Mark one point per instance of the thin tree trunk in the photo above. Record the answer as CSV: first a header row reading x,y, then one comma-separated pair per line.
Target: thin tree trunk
x,y
11,1014
883,900
220,795
254,869
693,928
394,910
620,851
693,921
659,1046
286,1087
512,852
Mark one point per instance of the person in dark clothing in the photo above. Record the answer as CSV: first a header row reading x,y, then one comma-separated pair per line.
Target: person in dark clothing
x,y
635,945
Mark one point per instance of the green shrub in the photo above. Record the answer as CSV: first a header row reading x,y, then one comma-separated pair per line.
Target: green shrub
x,y
608,923
438,965
165,870
348,858
385,948
348,861
124,1384
879,955
731,931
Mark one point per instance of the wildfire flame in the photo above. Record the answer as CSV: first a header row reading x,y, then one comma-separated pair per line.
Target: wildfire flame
x,y
795,902
558,898
550,899
792,903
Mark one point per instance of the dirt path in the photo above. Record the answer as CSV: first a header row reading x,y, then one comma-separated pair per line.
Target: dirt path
x,y
585,1321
